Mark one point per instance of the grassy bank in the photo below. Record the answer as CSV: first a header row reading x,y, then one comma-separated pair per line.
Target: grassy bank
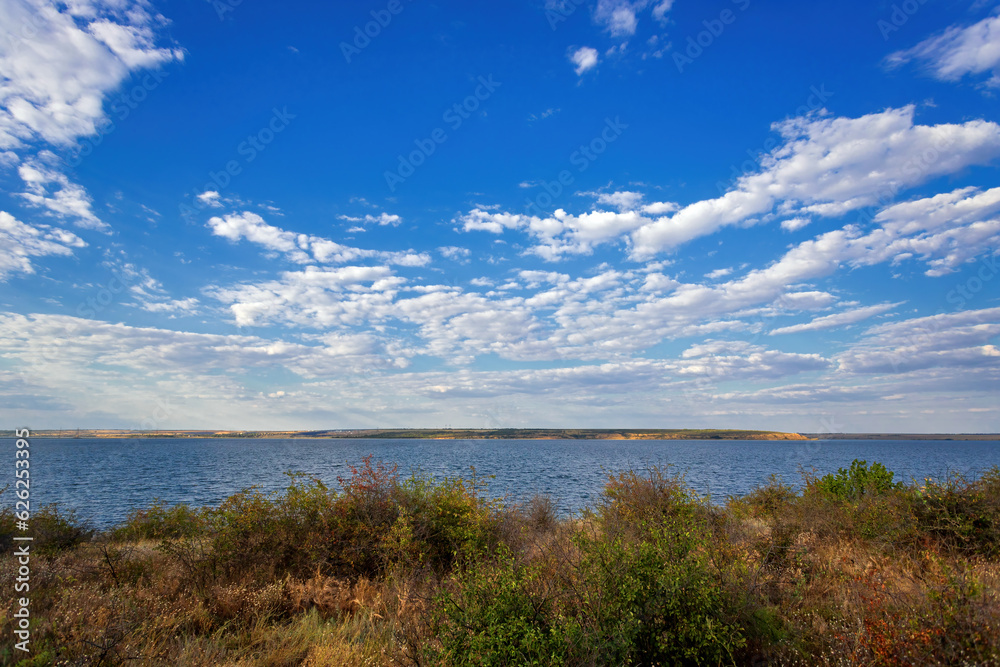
x,y
851,569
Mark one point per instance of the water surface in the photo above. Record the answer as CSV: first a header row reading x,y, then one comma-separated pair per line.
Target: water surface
x,y
104,479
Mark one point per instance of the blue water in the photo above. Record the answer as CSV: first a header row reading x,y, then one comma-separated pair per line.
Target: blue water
x,y
103,479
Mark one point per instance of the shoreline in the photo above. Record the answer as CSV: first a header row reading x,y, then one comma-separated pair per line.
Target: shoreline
x,y
507,434
436,434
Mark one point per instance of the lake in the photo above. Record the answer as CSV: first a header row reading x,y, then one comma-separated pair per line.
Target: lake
x,y
104,479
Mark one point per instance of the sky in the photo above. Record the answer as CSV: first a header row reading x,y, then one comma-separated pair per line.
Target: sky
x,y
552,213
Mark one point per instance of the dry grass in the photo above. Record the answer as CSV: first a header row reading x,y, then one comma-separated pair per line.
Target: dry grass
x,y
798,578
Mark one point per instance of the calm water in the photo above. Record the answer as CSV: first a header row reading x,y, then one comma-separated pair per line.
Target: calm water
x,y
104,479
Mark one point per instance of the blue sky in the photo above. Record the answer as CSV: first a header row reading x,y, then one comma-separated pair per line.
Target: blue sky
x,y
557,213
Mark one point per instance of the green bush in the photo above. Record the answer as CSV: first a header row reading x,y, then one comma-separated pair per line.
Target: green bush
x,y
962,512
633,502
640,588
451,519
656,600
288,533
498,615
161,522
857,481
55,530
764,501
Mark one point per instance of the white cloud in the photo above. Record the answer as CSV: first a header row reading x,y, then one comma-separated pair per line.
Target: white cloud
x,y
813,300
829,167
455,253
661,9
19,242
618,16
381,219
949,340
584,58
794,224
302,248
719,273
660,207
187,306
210,198
59,61
52,190
314,297
958,51
545,114
560,235
826,167
623,201
838,319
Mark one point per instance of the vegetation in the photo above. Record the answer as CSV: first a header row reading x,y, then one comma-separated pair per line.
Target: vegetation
x,y
450,434
852,568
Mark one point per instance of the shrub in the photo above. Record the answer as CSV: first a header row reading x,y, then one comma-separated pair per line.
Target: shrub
x,y
633,501
857,481
289,533
451,520
55,530
656,600
160,522
767,500
641,588
495,615
962,512
364,514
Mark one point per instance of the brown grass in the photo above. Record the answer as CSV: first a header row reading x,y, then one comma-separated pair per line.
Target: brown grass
x,y
801,577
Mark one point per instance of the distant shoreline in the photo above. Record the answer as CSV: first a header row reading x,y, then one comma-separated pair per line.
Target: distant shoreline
x,y
511,434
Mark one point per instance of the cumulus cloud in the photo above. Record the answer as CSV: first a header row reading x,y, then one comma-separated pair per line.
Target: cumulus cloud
x,y
19,242
838,319
958,51
455,253
561,234
620,18
59,61
794,224
210,198
826,167
52,190
380,219
584,58
624,200
302,248
950,340
719,273
830,167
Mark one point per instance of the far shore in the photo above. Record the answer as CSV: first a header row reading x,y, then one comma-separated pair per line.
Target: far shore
x,y
510,434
